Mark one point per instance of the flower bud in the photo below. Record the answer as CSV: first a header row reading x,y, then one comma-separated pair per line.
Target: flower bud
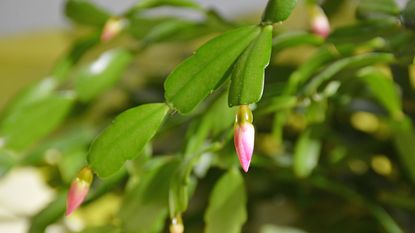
x,y
244,136
78,190
112,28
319,22
177,225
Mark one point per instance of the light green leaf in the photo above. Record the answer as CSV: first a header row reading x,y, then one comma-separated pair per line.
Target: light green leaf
x,y
248,75
306,153
95,78
30,121
85,12
383,88
226,212
278,10
349,62
368,9
145,206
125,138
202,73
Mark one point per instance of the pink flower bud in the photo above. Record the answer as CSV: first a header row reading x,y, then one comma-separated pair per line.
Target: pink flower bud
x,y
319,22
112,28
244,136
78,190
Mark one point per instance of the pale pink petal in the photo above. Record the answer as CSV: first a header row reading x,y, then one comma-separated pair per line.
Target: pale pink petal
x,y
244,138
76,195
320,25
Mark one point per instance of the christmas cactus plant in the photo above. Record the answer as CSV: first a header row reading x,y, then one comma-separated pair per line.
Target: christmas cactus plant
x,y
245,128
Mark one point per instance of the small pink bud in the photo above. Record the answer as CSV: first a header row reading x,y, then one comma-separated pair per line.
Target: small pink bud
x,y
320,24
78,190
112,28
177,225
244,136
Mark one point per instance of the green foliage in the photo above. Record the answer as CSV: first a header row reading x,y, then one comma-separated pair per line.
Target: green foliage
x,y
100,75
125,138
85,12
336,112
278,10
247,82
30,121
195,78
227,205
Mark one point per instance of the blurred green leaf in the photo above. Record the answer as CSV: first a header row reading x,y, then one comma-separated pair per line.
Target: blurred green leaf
x,y
280,229
226,212
30,121
408,14
278,10
404,140
307,152
125,138
277,104
291,39
145,206
29,95
142,4
199,75
101,229
51,213
217,118
100,75
368,9
383,88
248,75
7,161
349,62
86,12
174,30
79,48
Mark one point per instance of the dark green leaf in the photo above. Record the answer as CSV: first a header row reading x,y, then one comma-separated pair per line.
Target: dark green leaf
x,y
125,138
100,75
199,75
404,140
377,9
30,121
383,88
226,212
145,206
248,75
307,153
408,14
278,10
85,12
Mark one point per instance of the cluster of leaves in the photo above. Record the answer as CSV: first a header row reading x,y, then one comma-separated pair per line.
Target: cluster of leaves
x,y
320,123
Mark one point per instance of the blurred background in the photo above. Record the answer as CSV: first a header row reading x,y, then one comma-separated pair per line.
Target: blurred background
x,y
34,34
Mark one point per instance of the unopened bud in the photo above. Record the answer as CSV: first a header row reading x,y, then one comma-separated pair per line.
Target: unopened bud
x,y
244,136
320,24
176,225
78,190
112,28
